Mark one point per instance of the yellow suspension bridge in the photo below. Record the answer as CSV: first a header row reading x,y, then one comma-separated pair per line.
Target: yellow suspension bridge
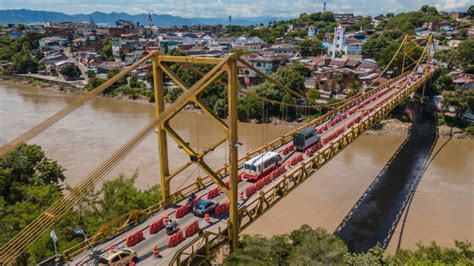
x,y
240,202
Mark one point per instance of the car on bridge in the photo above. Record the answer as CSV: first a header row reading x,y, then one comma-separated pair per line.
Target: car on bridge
x,y
204,206
118,257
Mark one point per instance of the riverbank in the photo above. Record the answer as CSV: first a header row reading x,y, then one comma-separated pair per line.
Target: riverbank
x,y
43,83
395,127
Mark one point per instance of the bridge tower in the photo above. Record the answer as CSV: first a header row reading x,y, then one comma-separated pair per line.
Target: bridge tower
x,y
223,67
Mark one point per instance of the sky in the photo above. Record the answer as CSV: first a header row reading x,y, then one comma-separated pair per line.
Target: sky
x,y
235,8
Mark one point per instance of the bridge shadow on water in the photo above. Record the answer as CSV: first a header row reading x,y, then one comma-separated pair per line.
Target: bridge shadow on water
x,y
375,216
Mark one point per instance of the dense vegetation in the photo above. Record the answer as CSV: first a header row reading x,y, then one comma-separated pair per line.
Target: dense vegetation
x,y
30,182
19,52
307,246
323,21
215,97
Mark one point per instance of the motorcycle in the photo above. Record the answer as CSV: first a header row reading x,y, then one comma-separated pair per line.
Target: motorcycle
x,y
172,229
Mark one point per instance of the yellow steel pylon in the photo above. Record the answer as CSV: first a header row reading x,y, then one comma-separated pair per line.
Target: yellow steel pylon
x,y
227,66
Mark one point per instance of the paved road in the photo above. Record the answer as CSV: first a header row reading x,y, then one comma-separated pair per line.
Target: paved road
x,y
144,248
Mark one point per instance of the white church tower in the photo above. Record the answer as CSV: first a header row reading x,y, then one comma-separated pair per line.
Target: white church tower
x,y
339,41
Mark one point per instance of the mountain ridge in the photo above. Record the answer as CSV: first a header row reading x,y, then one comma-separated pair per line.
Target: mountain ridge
x,y
27,16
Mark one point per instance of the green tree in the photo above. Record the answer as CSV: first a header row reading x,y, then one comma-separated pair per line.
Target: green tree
x,y
443,83
301,69
374,256
131,92
24,63
470,11
461,100
106,51
435,255
465,51
29,182
249,107
313,93
71,72
94,83
310,47
172,94
305,246
353,89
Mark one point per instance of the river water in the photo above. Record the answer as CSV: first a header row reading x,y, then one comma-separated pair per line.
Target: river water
x,y
442,208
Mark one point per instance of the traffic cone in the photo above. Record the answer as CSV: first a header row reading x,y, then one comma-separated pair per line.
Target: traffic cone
x,y
242,197
156,252
207,218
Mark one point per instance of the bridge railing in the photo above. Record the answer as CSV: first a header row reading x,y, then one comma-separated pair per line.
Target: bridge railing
x,y
134,217
267,199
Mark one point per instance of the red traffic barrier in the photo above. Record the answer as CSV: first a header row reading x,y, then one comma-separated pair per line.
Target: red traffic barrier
x,y
266,179
192,229
182,211
134,238
288,149
250,191
157,226
296,160
221,209
213,193
175,239
259,184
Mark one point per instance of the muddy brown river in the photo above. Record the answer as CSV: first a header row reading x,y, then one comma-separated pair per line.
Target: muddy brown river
x,y
442,208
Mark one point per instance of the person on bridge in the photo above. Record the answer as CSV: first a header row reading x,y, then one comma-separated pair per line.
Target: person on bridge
x,y
170,225
191,199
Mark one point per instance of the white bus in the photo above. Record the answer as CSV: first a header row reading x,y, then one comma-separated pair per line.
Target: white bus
x,y
259,166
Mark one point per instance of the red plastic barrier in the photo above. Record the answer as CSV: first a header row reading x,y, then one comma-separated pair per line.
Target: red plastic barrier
x,y
182,211
277,172
192,229
213,193
221,209
288,149
259,184
175,239
157,226
267,179
130,241
250,191
134,238
296,160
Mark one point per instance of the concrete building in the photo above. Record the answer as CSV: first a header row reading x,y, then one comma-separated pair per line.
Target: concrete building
x,y
312,31
53,43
